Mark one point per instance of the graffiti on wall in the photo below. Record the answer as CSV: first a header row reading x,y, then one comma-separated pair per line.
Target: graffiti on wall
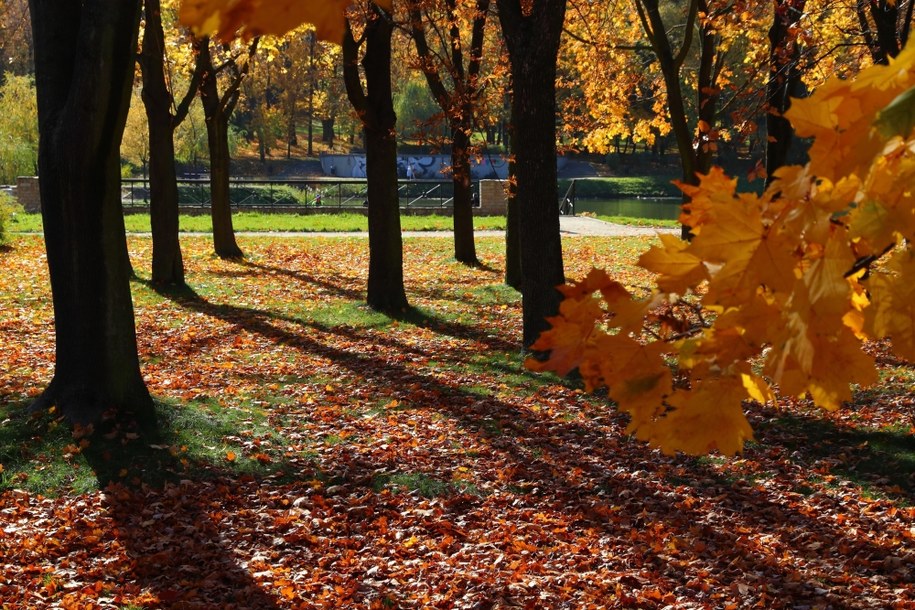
x,y
418,167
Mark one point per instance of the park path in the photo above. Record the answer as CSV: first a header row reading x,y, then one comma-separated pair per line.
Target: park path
x,y
569,226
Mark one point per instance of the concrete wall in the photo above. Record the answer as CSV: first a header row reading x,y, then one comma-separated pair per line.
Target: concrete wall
x,y
28,194
493,201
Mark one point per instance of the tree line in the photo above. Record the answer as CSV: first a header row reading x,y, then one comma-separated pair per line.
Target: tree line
x,y
84,71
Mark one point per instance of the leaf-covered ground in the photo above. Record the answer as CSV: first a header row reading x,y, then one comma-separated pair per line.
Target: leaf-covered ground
x,y
315,454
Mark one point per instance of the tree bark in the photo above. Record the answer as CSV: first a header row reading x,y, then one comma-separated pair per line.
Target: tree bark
x,y
327,131
464,247
217,121
375,107
458,105
784,83
513,273
532,38
84,56
167,262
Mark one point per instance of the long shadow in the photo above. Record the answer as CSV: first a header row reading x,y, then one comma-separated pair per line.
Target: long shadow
x,y
413,315
304,278
170,533
168,529
188,297
546,453
881,461
564,446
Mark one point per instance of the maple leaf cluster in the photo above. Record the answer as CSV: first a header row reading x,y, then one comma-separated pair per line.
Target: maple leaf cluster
x,y
776,290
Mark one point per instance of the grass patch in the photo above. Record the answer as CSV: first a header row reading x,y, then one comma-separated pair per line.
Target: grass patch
x,y
261,222
422,484
345,314
40,454
881,461
639,222
623,187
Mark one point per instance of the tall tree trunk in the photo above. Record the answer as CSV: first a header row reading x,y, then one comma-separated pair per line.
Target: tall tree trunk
x,y
464,247
652,23
710,64
167,263
532,38
84,71
784,83
327,131
458,103
312,40
513,273
217,122
890,30
376,108
224,243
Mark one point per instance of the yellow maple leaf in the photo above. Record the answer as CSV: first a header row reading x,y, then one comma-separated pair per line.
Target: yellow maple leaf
x,y
751,252
230,18
822,359
569,336
636,374
678,271
892,310
705,418
888,209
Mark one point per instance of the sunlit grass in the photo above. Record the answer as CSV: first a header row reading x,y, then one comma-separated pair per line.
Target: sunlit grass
x,y
258,221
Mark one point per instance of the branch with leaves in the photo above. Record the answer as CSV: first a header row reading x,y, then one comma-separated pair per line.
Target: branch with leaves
x,y
790,282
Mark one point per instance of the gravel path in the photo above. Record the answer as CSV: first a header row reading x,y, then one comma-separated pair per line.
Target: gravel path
x,y
583,225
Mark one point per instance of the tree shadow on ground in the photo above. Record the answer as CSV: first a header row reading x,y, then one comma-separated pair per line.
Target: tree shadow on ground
x,y
260,268
564,463
175,539
881,461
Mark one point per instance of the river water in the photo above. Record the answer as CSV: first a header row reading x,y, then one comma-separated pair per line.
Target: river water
x,y
667,208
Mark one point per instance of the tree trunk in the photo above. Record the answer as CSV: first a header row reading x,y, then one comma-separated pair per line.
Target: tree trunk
x,y
532,39
513,273
464,247
224,242
167,263
376,108
458,103
327,132
84,71
784,83
217,122
312,39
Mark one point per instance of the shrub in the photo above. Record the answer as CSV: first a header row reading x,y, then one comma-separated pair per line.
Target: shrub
x,y
8,208
18,128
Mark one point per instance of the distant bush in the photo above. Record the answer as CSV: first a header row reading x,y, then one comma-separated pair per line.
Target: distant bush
x,y
18,128
622,187
8,207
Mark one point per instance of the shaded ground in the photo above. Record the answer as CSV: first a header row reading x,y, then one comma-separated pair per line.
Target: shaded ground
x,y
341,459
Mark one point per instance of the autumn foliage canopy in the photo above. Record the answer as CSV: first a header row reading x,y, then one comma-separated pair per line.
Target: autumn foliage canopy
x,y
775,291
255,17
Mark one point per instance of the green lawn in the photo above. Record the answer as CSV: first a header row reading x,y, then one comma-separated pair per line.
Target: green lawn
x,y
329,223
256,221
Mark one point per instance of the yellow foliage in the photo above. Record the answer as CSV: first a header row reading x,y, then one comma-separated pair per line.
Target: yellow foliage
x,y
229,18
774,290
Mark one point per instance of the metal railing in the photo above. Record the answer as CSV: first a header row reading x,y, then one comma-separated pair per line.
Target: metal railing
x,y
567,201
307,195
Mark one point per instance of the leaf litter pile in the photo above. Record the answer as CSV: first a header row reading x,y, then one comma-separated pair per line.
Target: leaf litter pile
x,y
315,454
